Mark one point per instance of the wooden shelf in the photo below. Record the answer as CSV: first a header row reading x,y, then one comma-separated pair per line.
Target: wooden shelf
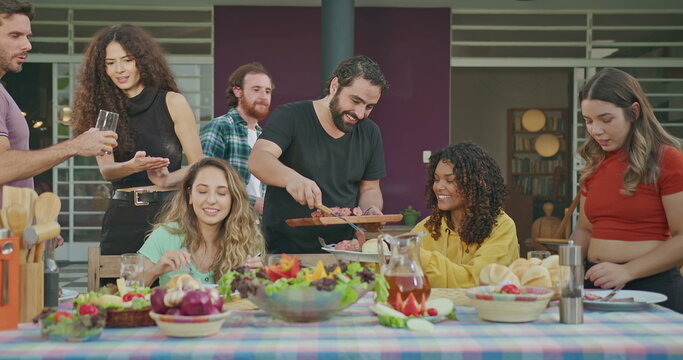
x,y
540,177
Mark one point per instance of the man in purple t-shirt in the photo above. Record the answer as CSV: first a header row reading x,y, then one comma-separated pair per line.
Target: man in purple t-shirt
x,y
18,165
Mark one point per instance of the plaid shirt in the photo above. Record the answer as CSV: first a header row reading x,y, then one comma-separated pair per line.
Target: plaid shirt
x,y
226,137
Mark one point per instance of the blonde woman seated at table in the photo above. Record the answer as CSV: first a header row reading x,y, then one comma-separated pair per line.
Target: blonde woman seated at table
x,y
631,191
207,229
468,228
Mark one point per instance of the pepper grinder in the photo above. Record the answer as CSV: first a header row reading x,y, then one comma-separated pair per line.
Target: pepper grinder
x,y
51,276
571,284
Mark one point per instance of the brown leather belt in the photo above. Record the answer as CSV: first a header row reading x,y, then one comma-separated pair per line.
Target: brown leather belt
x,y
142,197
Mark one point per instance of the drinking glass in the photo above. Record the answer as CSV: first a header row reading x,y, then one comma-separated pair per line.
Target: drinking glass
x,y
273,259
132,269
541,254
107,120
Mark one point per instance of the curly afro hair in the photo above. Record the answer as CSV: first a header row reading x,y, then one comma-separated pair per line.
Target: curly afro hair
x,y
97,91
479,183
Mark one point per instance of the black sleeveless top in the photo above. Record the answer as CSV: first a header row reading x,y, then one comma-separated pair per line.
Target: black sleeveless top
x,y
154,133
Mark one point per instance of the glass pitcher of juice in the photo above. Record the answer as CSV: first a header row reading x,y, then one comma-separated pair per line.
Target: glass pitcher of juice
x,y
403,271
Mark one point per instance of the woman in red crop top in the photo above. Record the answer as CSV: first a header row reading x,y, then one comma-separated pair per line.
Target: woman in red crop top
x,y
631,191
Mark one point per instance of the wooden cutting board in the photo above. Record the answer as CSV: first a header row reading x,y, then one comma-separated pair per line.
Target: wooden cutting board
x,y
333,220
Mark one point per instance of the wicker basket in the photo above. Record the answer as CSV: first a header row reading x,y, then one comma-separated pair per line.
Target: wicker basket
x,y
129,318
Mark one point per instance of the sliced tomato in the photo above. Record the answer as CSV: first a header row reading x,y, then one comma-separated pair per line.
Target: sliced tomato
x,y
88,309
63,314
288,267
274,273
130,296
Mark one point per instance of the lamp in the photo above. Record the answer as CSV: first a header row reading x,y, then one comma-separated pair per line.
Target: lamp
x,y
533,120
547,145
37,124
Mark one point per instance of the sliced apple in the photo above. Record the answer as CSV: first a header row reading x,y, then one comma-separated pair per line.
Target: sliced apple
x,y
442,306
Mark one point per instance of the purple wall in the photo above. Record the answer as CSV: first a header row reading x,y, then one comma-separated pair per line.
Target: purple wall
x,y
412,46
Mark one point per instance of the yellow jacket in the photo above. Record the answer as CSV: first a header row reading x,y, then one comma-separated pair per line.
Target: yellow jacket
x,y
449,263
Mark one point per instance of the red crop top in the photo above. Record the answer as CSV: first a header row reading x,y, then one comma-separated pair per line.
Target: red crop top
x,y
637,217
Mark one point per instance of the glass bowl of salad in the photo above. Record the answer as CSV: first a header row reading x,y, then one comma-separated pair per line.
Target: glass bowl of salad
x,y
294,293
83,324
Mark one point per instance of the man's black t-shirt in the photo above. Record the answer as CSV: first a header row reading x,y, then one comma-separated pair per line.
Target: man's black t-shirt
x,y
336,165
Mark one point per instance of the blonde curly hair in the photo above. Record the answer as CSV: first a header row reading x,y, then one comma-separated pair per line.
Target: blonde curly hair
x,y
239,234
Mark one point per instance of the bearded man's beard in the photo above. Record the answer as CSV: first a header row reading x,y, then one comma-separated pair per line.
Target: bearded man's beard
x,y
338,116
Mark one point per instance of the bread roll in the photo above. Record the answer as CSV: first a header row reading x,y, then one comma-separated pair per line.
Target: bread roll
x,y
537,276
370,247
552,263
535,261
519,267
184,280
494,274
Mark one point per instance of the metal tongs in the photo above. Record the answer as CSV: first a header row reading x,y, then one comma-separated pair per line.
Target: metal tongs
x,y
327,210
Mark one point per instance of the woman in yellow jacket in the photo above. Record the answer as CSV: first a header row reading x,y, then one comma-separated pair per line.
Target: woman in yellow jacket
x,y
468,228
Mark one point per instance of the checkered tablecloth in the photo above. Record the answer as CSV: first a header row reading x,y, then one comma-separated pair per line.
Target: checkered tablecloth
x,y
656,334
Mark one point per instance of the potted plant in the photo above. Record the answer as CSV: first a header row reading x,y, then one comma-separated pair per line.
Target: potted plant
x,y
410,215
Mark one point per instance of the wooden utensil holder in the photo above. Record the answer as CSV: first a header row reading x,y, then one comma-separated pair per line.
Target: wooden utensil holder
x,y
31,293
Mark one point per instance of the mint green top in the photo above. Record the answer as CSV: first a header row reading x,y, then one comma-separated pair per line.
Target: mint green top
x,y
158,242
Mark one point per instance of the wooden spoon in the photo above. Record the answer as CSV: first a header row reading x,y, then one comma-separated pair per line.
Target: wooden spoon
x,y
3,218
16,217
47,207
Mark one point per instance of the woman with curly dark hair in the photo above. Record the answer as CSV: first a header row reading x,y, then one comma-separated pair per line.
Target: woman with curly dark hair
x,y
124,71
468,228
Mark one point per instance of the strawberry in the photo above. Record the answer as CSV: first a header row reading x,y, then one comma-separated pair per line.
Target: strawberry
x,y
88,309
63,314
510,289
432,312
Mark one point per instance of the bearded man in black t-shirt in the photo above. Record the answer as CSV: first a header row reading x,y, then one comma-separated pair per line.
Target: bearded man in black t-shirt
x,y
324,151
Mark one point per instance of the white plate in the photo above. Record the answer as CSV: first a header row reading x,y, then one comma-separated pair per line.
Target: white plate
x,y
641,300
68,294
351,255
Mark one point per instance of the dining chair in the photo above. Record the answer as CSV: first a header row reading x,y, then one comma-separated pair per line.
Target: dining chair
x,y
101,267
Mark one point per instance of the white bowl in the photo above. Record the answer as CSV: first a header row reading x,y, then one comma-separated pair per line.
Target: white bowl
x,y
501,307
189,326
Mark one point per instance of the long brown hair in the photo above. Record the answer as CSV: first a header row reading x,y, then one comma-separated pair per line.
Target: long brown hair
x,y
97,91
239,234
645,138
480,184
